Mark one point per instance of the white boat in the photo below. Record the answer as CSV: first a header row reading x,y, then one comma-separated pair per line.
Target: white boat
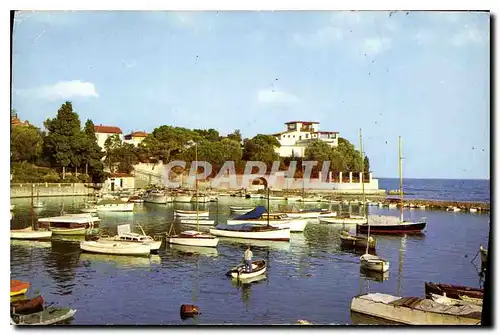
x,y
125,236
306,213
70,224
156,197
89,210
30,234
393,205
38,204
240,210
183,198
421,207
275,197
352,219
327,214
199,222
194,238
472,210
259,267
115,206
12,207
182,213
256,196
115,248
311,199
415,311
293,198
202,199
373,263
251,231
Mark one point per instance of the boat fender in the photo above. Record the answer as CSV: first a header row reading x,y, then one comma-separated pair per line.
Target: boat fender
x,y
189,311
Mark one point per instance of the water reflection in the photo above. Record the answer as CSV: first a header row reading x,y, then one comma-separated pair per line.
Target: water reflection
x,y
87,260
189,250
31,244
259,244
245,287
374,275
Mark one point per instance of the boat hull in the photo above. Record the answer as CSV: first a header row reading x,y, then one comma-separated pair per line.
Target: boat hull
x,y
198,222
194,241
406,315
126,207
183,198
153,245
49,316
272,235
453,291
22,234
373,263
156,199
339,220
190,214
259,267
118,248
68,231
18,287
403,228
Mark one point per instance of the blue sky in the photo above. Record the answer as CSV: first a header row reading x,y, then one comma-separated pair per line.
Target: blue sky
x,y
424,76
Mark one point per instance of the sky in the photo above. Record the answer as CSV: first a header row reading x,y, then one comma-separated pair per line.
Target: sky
x,y
424,76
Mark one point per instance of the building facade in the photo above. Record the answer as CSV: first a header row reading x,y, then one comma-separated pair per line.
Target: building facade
x,y
295,139
103,132
135,137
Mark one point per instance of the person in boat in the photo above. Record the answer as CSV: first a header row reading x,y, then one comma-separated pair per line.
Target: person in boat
x,y
248,259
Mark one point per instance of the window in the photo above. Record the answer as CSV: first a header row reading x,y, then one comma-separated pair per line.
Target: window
x,y
307,135
300,137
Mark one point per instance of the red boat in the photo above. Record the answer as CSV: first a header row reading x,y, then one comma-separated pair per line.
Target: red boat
x,y
27,306
18,287
453,291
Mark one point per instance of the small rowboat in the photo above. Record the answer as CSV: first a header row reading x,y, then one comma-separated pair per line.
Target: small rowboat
x,y
18,287
30,234
49,316
453,291
374,263
239,272
179,212
240,210
352,241
27,306
200,222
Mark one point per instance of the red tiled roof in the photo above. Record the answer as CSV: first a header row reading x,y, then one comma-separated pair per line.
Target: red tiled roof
x,y
107,129
137,134
303,122
120,175
326,132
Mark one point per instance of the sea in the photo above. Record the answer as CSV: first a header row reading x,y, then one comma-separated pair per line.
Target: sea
x,y
309,278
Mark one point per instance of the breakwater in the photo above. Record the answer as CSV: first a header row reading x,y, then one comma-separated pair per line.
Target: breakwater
x,y
27,190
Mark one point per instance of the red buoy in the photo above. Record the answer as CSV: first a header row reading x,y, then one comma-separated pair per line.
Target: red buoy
x,y
189,311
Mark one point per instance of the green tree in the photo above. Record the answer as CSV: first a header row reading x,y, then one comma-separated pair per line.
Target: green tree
x,y
26,144
318,150
112,146
64,140
235,136
366,164
92,154
261,148
166,143
211,135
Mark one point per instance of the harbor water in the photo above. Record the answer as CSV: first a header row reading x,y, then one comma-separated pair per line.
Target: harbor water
x,y
311,277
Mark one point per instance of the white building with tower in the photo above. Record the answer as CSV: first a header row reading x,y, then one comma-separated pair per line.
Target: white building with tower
x,y
299,134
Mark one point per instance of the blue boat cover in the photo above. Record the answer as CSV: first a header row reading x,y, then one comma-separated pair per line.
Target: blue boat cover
x,y
253,214
236,227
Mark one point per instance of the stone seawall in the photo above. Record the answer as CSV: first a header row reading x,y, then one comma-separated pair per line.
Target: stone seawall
x,y
49,190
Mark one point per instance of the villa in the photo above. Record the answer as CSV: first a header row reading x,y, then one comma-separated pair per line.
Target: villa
x,y
103,132
135,137
299,134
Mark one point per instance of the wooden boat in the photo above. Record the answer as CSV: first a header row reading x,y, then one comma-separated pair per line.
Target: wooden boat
x,y
115,206
70,224
344,219
199,222
182,213
252,231
18,287
27,306
470,300
183,198
125,236
30,234
415,311
352,241
49,316
116,248
157,197
306,213
373,263
194,238
258,217
386,224
453,291
240,210
259,267
255,196
136,199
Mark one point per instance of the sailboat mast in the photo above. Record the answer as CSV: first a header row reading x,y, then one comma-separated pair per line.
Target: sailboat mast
x,y
362,171
268,206
196,183
401,178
